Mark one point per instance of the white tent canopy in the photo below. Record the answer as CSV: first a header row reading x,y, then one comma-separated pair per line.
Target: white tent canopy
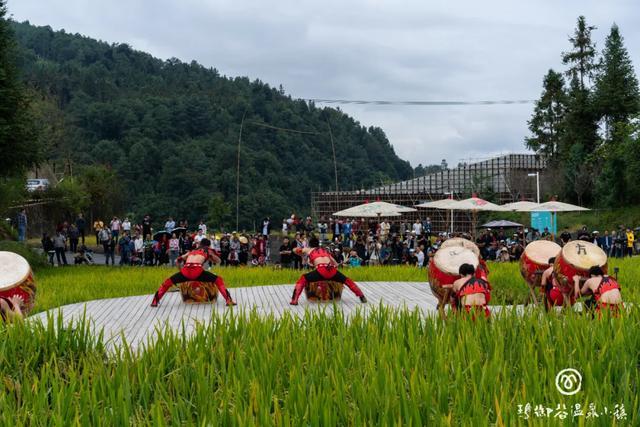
x,y
374,209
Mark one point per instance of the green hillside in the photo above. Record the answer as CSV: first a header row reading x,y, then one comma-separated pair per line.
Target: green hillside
x,y
169,130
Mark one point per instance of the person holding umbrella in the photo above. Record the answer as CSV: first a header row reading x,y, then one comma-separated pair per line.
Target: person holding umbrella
x,y
192,270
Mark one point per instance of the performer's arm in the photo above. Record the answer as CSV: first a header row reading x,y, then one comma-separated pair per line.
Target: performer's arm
x,y
334,262
214,258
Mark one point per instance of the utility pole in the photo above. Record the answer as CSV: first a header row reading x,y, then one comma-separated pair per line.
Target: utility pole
x,y
238,171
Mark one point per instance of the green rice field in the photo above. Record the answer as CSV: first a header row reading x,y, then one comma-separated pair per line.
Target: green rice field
x,y
60,286
390,368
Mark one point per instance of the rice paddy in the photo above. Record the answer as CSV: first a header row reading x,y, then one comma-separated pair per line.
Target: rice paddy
x,y
390,368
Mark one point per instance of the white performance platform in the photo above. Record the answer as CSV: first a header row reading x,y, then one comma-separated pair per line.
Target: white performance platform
x,y
134,318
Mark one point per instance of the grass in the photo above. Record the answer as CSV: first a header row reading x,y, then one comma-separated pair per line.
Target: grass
x,y
392,368
60,286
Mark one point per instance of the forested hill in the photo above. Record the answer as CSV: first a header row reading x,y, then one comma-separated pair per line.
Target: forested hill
x,y
170,129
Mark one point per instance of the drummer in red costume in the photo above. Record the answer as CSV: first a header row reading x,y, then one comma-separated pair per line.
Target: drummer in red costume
x,y
192,270
471,291
605,290
553,294
325,269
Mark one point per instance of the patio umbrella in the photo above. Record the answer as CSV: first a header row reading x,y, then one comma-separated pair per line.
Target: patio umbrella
x,y
179,230
475,204
501,224
440,204
555,207
374,209
522,206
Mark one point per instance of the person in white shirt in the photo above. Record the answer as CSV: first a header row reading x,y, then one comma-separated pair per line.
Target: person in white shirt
x,y
417,228
384,230
285,227
170,225
202,226
126,225
138,246
198,237
420,257
115,227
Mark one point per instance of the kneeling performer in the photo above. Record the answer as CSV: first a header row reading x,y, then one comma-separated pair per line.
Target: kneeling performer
x,y
471,292
605,289
553,294
192,270
325,269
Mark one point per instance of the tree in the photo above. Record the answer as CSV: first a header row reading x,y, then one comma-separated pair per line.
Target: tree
x,y
617,97
219,211
581,59
18,145
548,114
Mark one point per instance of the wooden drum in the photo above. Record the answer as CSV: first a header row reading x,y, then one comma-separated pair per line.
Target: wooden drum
x,y
16,278
444,268
195,292
482,270
576,258
535,259
323,291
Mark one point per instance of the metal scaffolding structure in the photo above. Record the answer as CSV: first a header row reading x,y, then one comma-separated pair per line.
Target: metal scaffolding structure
x,y
501,179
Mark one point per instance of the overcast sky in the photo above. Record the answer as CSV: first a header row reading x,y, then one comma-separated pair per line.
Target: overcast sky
x,y
371,50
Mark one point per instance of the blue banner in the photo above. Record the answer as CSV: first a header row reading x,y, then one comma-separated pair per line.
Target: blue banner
x,y
542,220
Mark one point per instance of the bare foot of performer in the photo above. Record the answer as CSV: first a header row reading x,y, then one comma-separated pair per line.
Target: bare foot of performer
x,y
325,269
193,270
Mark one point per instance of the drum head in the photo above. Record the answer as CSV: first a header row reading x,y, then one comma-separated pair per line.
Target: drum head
x,y
541,250
448,260
462,243
583,255
13,269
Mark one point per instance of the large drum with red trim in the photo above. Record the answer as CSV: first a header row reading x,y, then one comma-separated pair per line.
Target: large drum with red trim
x,y
576,258
462,243
16,279
535,260
445,265
195,292
323,290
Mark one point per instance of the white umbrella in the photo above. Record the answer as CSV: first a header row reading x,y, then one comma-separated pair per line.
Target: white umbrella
x,y
522,206
374,209
475,204
437,204
554,206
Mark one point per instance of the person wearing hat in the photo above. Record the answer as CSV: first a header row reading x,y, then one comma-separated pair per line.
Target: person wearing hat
x,y
192,270
325,269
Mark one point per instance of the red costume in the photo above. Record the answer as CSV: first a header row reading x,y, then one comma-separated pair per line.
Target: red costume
x,y
474,286
554,294
323,272
607,284
191,271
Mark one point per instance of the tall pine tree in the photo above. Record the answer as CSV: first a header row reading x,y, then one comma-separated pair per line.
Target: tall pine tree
x,y
617,101
17,138
548,114
581,58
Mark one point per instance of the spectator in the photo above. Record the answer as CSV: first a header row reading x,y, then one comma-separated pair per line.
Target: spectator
x,y
322,229
174,248
202,227
74,238
606,243
169,225
81,225
115,227
60,247
21,220
124,249
297,259
584,235
126,226
47,247
98,225
285,227
417,228
110,251
565,237
266,227
285,253
198,238
346,230
354,260
138,247
630,240
419,254
146,225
